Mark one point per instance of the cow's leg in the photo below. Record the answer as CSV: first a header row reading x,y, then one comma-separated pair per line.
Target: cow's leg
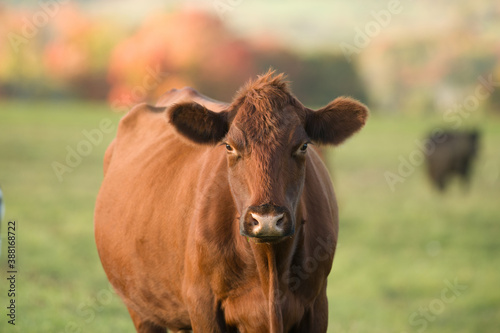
x,y
465,171
144,326
320,317
205,315
204,310
316,319
204,320
441,183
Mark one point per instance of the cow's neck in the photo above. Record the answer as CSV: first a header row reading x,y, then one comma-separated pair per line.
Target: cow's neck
x,y
273,263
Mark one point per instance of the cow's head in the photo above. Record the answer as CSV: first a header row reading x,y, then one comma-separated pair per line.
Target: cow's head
x,y
266,132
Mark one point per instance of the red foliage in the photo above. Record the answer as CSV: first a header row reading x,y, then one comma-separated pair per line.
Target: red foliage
x,y
189,46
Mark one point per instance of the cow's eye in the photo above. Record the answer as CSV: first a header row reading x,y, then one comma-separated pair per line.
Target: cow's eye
x,y
303,148
229,148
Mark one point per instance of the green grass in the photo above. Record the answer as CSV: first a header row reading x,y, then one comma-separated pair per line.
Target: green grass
x,y
396,249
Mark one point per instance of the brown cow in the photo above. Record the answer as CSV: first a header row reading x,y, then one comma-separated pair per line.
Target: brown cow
x,y
221,218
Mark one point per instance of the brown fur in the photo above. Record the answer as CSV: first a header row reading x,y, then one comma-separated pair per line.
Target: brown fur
x,y
337,121
169,213
209,129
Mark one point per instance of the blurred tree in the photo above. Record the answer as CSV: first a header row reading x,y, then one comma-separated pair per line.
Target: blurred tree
x,y
195,48
77,53
185,47
323,77
20,70
316,79
55,49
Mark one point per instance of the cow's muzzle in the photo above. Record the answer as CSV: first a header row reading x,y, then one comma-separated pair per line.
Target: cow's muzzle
x,y
267,223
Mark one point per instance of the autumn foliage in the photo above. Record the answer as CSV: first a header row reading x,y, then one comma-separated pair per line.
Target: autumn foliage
x,y
177,49
63,51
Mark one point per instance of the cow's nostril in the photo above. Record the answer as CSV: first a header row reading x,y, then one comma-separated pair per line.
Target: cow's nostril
x,y
279,222
255,222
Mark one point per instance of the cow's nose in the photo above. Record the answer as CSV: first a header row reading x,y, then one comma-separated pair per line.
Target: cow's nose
x,y
269,225
266,223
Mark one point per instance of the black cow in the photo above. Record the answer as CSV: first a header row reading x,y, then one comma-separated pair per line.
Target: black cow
x,y
449,153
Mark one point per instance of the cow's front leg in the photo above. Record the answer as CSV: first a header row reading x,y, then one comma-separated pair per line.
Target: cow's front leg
x,y
316,319
204,311
144,326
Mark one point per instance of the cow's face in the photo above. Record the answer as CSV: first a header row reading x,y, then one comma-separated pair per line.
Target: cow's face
x,y
266,154
266,133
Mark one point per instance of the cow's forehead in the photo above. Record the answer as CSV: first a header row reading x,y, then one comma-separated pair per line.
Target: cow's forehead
x,y
265,111
273,126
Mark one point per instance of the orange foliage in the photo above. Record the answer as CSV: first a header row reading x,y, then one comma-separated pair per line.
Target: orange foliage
x,y
190,45
65,56
65,60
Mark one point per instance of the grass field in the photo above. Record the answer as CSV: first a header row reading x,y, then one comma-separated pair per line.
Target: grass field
x,y
409,260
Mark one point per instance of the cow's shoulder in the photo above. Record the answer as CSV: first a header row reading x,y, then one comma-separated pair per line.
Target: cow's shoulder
x,y
142,115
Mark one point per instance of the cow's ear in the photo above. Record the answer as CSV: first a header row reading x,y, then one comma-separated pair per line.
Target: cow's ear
x,y
197,123
337,121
